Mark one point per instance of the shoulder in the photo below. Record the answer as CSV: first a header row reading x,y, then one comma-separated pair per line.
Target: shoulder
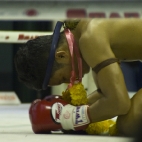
x,y
93,42
93,31
103,29
93,28
106,25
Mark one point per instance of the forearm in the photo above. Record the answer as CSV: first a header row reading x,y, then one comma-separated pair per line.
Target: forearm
x,y
94,96
102,107
115,100
102,110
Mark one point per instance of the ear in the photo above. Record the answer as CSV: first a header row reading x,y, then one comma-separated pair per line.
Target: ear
x,y
62,57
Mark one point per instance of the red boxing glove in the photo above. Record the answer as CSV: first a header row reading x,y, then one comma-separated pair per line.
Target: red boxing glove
x,y
44,114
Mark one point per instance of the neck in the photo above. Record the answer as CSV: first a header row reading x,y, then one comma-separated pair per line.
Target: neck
x,y
78,64
85,67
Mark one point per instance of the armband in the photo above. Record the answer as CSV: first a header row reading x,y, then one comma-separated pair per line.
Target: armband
x,y
103,64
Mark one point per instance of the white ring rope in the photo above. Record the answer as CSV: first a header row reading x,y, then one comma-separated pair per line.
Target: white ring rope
x,y
20,36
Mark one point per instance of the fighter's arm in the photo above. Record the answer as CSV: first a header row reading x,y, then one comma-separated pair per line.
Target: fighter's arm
x,y
95,95
113,100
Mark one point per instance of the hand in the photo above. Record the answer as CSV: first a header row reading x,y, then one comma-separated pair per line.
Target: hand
x,y
44,114
53,113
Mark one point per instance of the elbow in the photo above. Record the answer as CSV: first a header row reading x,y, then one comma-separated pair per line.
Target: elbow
x,y
123,106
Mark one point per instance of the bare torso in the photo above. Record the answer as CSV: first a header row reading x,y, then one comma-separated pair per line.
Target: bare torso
x,y
124,35
126,39
102,39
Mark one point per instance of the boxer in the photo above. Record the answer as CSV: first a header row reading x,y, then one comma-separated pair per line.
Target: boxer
x,y
102,43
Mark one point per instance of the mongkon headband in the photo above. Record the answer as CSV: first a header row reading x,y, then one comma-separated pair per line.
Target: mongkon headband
x,y
51,58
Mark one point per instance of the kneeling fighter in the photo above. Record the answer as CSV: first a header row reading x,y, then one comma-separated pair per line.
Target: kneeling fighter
x,y
102,43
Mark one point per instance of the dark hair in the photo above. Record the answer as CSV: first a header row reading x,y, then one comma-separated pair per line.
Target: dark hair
x,y
31,61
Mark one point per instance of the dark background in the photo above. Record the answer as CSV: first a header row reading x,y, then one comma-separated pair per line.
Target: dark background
x,y
8,76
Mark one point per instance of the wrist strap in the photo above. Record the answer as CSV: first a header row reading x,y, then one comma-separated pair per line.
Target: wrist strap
x,y
74,117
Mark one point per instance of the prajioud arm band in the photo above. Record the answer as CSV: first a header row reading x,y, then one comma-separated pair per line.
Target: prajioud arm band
x,y
51,58
103,64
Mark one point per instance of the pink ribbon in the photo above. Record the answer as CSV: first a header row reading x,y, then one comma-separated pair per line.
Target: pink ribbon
x,y
73,47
